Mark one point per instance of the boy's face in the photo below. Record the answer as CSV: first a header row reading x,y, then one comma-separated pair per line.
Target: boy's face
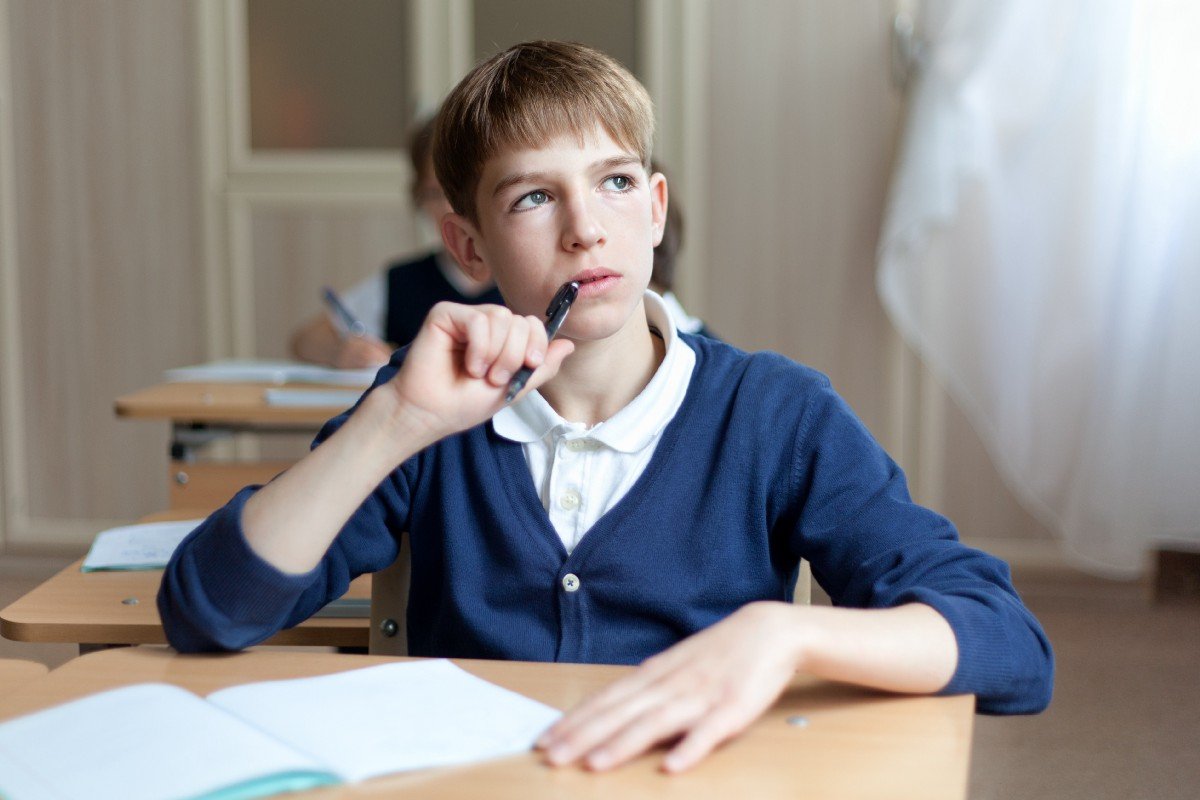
x,y
566,211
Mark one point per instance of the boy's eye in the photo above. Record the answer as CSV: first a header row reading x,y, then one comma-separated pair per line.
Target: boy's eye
x,y
620,183
532,200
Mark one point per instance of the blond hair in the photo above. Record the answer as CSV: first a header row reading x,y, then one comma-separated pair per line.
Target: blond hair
x,y
525,96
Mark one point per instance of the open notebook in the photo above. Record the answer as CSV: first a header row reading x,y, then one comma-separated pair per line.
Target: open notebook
x,y
147,545
154,741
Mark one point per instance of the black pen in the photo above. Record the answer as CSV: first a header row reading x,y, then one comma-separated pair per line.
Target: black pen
x,y
555,314
352,324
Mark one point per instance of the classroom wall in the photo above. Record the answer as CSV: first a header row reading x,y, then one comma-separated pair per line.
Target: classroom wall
x,y
132,247
101,274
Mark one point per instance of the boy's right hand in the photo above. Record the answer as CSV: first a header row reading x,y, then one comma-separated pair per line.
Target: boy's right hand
x,y
458,368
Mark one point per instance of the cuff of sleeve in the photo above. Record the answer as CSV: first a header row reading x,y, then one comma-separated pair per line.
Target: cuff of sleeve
x,y
263,594
984,657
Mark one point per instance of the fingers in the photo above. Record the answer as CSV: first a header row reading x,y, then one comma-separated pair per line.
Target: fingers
x,y
711,731
704,717
603,702
478,337
655,723
514,348
705,690
496,343
598,720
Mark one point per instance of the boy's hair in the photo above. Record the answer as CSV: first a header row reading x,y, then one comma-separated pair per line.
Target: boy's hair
x,y
527,95
420,147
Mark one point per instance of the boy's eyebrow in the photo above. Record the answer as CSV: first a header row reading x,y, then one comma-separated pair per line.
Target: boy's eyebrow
x,y
540,177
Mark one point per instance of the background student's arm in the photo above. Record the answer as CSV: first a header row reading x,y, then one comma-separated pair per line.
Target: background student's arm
x,y
711,686
319,342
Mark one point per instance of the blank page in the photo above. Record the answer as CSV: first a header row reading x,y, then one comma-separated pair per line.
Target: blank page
x,y
391,718
145,742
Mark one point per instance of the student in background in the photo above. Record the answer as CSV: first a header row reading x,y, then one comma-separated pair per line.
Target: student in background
x,y
647,499
662,278
391,305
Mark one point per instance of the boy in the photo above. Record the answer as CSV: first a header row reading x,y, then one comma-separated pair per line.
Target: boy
x,y
392,304
676,481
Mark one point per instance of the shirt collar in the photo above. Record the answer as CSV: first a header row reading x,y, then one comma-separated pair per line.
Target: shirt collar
x,y
633,427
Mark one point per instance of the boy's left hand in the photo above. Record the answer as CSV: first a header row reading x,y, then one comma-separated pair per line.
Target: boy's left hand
x,y
707,689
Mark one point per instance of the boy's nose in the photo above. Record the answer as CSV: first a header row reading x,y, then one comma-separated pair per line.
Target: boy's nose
x,y
581,229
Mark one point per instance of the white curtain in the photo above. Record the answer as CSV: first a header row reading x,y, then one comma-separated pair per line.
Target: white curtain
x,y
1041,253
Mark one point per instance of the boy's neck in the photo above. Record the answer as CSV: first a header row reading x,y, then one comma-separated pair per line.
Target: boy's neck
x,y
602,377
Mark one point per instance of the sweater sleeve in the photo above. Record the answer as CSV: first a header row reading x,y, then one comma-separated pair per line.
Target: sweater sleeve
x,y
871,546
218,594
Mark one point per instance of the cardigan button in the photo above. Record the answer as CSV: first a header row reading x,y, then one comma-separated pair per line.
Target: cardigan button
x,y
570,582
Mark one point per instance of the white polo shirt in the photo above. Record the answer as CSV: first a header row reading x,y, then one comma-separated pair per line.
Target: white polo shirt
x,y
579,472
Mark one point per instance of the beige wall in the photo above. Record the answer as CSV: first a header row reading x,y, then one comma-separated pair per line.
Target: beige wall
x,y
124,220
104,257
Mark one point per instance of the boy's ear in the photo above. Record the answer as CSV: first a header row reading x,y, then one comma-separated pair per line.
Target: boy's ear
x,y
658,205
460,238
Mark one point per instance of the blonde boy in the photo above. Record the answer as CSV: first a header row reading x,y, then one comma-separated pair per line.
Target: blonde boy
x,y
649,496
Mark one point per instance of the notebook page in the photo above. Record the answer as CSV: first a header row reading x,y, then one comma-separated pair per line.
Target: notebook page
x,y
392,718
145,546
312,398
144,742
252,370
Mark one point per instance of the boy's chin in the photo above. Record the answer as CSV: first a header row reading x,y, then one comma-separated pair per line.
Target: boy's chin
x,y
605,323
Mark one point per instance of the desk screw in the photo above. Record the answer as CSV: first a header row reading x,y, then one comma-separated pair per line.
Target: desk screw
x,y
797,721
389,627
129,601
181,478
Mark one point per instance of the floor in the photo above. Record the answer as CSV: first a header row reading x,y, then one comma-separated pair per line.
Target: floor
x,y
1124,723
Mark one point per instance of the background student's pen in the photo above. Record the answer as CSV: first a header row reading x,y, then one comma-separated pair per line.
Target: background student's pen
x,y
352,324
555,314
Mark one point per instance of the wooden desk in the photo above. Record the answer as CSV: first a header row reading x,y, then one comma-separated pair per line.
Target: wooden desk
x,y
201,413
856,744
95,608
15,673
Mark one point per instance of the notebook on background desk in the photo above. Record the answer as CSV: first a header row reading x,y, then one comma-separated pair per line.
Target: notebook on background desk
x,y
249,370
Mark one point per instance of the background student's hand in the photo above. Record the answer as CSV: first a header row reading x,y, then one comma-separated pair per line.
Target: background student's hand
x,y
707,689
457,370
358,352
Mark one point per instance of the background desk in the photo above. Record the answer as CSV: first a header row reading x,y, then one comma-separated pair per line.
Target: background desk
x,y
93,608
201,413
856,744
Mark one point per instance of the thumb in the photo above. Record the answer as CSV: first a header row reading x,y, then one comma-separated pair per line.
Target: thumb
x,y
556,353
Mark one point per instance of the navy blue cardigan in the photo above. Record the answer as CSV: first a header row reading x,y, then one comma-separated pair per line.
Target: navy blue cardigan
x,y
763,465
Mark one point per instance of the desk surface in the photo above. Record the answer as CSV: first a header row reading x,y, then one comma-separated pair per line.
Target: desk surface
x,y
15,673
92,608
856,743
238,404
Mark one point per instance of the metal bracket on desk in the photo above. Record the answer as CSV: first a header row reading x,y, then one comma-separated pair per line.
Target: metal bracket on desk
x,y
188,437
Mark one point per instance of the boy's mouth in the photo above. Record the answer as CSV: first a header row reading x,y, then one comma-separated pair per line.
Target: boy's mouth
x,y
595,282
593,275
